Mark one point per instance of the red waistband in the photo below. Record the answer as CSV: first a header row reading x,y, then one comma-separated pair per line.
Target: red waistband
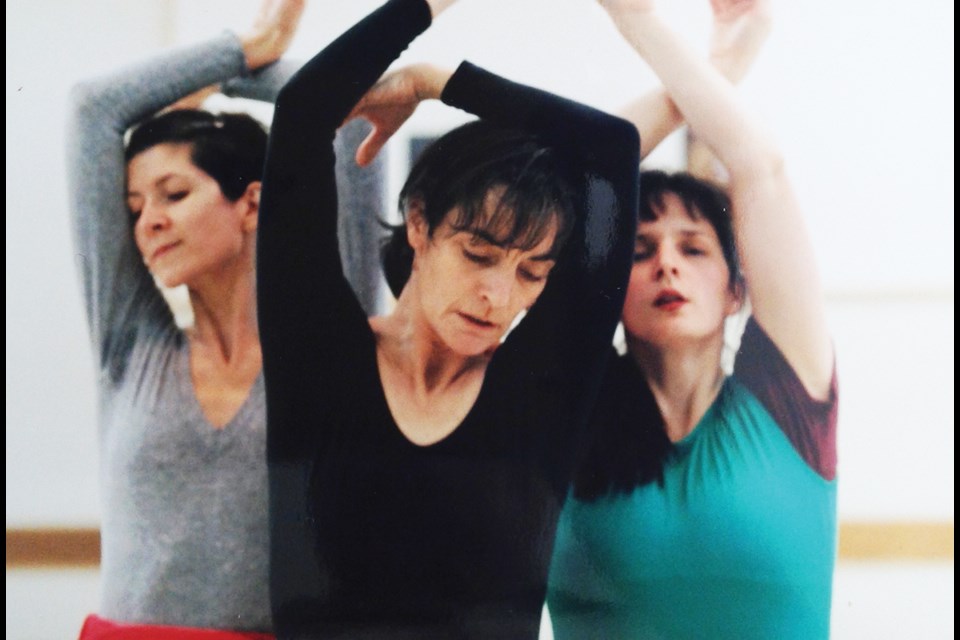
x,y
97,628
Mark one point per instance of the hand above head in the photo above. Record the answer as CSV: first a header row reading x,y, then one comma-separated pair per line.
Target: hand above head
x,y
272,31
614,7
438,6
740,27
194,100
391,102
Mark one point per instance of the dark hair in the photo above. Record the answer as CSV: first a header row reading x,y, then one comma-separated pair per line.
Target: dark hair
x,y
458,171
629,440
702,200
630,443
230,147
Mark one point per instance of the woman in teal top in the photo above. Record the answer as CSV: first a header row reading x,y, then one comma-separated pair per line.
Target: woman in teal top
x,y
707,505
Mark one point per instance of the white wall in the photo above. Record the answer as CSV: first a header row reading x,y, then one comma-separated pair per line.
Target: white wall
x,y
867,127
859,93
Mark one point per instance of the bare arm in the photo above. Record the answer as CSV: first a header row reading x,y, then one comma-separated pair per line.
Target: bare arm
x,y
778,259
740,27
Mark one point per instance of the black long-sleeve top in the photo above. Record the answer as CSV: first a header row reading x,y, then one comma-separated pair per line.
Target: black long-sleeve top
x,y
373,536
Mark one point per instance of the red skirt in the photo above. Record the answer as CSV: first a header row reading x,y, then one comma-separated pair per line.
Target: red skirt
x,y
97,628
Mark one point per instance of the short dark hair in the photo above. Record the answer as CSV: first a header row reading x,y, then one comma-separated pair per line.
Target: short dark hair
x,y
230,147
702,199
458,171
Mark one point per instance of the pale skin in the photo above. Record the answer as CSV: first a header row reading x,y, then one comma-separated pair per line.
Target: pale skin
x,y
740,27
190,234
463,293
776,254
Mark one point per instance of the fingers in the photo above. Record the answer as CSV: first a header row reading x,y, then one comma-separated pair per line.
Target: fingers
x,y
370,147
195,100
272,31
283,15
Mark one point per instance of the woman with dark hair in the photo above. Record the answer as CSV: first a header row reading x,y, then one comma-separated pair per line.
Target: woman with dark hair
x,y
182,419
184,536
418,460
706,507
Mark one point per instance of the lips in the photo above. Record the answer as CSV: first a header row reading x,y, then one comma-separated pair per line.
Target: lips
x,y
669,300
162,250
479,323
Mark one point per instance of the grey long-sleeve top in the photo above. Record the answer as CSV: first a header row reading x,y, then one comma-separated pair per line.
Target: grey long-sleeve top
x,y
184,530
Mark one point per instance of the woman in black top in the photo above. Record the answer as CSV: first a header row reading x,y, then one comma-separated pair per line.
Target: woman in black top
x,y
419,460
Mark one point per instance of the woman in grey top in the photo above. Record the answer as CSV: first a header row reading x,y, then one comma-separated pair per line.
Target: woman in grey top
x,y
182,416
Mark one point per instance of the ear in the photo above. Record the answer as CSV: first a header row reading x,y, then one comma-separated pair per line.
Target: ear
x,y
418,230
737,297
249,204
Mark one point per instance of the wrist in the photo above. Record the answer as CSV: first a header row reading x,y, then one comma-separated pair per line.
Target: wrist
x,y
254,50
430,81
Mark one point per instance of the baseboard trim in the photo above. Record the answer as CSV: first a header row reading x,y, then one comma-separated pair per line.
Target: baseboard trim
x,y
53,547
877,541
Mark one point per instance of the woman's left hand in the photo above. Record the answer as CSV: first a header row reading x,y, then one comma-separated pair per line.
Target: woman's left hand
x,y
391,102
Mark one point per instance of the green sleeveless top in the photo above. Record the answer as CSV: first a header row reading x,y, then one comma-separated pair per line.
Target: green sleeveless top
x,y
739,542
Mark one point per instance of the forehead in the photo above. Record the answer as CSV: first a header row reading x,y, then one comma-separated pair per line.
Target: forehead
x,y
674,218
495,224
161,161
491,236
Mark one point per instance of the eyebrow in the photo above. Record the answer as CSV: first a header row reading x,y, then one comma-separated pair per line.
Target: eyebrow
x,y
485,237
646,237
162,180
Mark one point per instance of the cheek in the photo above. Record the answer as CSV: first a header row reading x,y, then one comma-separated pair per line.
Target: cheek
x,y
529,295
221,223
635,285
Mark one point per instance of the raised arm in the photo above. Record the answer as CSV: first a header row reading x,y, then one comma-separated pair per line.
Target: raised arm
x,y
299,271
117,289
778,259
598,145
740,27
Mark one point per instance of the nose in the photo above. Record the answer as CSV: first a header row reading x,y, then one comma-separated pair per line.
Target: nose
x,y
667,261
497,286
153,217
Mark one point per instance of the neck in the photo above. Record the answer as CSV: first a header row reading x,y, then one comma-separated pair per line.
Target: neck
x,y
225,313
419,353
684,380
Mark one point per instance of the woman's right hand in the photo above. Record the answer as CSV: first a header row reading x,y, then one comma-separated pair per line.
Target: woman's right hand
x,y
272,32
740,27
392,100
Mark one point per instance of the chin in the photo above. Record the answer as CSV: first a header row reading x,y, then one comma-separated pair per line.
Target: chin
x,y
472,348
169,279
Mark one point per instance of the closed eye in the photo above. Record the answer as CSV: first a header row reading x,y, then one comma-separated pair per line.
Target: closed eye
x,y
639,255
643,249
177,196
477,258
530,276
